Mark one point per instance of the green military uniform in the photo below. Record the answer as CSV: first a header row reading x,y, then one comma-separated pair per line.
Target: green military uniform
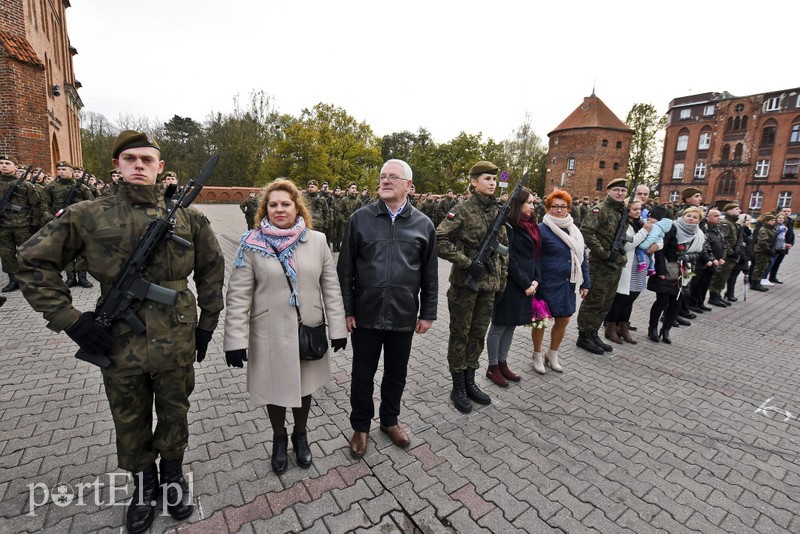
x,y
598,229
17,227
319,211
345,207
730,232
763,249
55,197
159,361
249,207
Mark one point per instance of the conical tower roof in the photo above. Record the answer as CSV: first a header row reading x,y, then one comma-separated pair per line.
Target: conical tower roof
x,y
592,113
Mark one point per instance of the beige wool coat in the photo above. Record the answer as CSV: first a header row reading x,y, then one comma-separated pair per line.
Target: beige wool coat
x,y
260,319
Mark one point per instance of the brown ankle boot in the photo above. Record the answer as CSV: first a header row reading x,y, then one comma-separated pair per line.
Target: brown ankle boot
x,y
507,373
493,373
611,333
624,332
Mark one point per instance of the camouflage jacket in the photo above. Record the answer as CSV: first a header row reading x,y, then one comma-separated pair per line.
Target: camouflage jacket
x,y
26,197
459,237
599,228
765,239
55,195
729,229
249,206
106,232
345,208
319,211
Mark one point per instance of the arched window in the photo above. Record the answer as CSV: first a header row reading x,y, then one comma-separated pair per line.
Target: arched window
x,y
744,122
737,152
730,124
599,184
726,152
737,122
768,133
683,141
794,137
726,184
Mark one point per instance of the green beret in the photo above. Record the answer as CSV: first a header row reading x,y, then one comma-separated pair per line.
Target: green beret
x,y
113,171
64,164
688,192
8,157
170,173
767,217
132,139
483,167
313,182
352,184
730,206
77,168
618,182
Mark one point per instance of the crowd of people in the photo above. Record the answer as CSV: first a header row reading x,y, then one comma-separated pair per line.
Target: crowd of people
x,y
381,290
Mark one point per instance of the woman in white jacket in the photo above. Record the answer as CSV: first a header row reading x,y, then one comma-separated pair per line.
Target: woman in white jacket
x,y
632,280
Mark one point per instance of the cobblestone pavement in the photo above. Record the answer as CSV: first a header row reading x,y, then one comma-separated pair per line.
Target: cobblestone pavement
x,y
698,436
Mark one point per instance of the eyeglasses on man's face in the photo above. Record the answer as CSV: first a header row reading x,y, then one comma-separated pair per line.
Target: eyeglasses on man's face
x,y
390,178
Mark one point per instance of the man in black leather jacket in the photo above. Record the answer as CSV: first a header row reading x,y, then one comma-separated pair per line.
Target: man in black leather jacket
x,y
388,271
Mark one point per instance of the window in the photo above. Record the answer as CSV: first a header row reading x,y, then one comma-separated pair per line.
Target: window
x,y
756,200
790,168
700,170
762,168
686,113
737,152
705,141
604,142
768,136
785,199
599,184
677,171
739,108
619,144
726,184
797,104
708,110
794,137
674,196
570,164
771,104
683,143
616,166
602,164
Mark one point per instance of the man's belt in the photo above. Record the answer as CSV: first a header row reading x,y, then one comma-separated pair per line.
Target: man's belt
x,y
175,285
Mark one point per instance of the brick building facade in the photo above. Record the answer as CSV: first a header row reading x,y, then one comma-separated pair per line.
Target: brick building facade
x,y
745,149
587,150
39,102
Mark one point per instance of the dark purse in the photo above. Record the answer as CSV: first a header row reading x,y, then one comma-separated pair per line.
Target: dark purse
x,y
312,340
673,271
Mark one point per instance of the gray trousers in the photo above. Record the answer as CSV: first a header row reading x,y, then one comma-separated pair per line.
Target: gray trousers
x,y
498,341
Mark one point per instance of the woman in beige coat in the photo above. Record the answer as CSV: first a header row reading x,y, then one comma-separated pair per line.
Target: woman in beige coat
x,y
261,316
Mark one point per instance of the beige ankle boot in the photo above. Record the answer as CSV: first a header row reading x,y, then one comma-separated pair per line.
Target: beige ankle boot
x,y
538,363
552,361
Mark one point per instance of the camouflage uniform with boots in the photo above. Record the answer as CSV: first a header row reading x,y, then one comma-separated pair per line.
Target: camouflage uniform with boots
x,y
16,226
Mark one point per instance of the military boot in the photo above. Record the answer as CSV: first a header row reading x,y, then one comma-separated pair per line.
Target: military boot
x,y
2,301
179,496
599,342
83,281
72,279
473,391
715,299
459,394
586,342
142,508
12,284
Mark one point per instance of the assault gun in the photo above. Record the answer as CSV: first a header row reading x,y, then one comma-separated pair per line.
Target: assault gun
x,y
490,243
621,235
35,179
6,206
71,195
130,288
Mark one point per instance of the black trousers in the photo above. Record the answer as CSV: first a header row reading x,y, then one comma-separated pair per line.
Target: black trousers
x,y
622,307
667,304
698,287
367,345
773,272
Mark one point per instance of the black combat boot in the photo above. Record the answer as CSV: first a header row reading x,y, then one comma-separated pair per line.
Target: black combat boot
x,y
301,449
280,460
473,391
459,394
586,342
72,279
83,281
715,299
755,286
142,508
179,497
2,301
12,284
599,342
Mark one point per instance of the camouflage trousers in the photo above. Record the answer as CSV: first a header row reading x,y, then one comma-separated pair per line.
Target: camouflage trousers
x,y
250,220
470,315
719,281
10,241
78,264
131,401
761,263
595,306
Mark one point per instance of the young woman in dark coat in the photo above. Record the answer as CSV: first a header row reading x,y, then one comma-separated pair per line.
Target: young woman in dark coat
x,y
513,308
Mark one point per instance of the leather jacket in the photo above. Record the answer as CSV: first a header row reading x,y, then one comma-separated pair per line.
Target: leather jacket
x,y
388,270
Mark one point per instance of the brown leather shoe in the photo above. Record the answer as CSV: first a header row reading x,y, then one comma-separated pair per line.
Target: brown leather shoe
x,y
358,444
397,435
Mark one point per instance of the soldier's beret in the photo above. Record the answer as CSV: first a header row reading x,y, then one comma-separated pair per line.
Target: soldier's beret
x,y
8,157
113,171
730,206
767,217
324,183
170,173
689,192
483,167
64,164
77,168
313,182
617,182
586,198
132,139
351,184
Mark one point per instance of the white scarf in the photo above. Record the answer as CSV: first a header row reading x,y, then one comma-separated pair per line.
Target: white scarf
x,y
574,240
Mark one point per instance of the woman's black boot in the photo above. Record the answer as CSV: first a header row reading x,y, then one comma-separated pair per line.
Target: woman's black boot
x,y
302,449
279,459
652,333
665,336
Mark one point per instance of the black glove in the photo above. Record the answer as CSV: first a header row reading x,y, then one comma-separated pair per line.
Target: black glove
x,y
33,229
476,270
201,340
89,335
339,344
236,358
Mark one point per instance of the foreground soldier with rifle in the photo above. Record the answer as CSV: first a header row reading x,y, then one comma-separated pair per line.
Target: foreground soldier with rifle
x,y
131,242
20,209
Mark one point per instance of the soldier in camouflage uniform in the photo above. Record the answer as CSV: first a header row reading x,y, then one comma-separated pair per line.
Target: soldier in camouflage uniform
x,y
598,231
344,209
458,239
37,179
16,227
114,185
249,207
156,364
318,206
55,196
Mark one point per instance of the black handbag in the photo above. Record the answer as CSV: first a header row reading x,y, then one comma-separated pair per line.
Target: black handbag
x,y
312,340
673,271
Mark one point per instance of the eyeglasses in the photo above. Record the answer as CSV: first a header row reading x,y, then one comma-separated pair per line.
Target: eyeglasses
x,y
558,207
390,178
619,189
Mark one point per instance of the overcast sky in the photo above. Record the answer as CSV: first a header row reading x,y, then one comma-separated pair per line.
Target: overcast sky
x,y
448,66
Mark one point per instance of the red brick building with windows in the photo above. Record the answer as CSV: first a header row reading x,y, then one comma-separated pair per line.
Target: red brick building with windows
x,y
39,102
744,149
587,150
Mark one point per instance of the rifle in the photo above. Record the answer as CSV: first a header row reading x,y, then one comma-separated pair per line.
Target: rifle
x,y
130,287
36,178
71,195
490,243
621,235
6,207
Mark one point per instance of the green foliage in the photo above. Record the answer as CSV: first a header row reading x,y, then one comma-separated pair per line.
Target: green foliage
x,y
644,161
97,139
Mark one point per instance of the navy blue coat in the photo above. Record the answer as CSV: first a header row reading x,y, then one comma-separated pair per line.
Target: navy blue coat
x,y
514,306
556,265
